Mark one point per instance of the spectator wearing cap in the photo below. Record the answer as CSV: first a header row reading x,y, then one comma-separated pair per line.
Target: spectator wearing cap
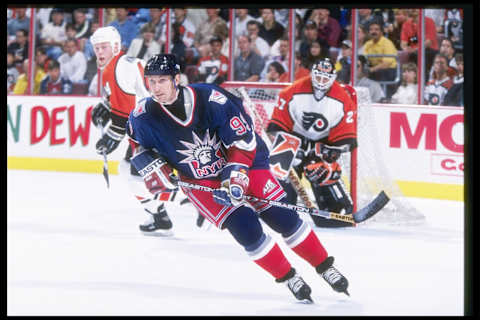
x,y
310,34
214,67
144,47
258,44
248,64
328,28
270,29
206,31
22,81
381,68
73,64
53,83
127,28
20,46
376,92
344,62
54,34
454,96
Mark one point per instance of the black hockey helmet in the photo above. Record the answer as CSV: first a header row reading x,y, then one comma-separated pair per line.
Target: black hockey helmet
x,y
162,64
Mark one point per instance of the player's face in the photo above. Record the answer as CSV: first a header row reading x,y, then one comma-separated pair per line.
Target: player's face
x,y
104,53
162,88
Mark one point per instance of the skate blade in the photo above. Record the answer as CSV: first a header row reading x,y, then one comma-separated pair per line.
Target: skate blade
x,y
163,233
307,301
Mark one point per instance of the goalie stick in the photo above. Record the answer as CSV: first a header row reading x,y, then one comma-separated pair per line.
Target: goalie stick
x,y
360,216
377,204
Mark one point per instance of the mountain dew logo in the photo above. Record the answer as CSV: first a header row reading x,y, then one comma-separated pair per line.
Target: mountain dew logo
x,y
203,155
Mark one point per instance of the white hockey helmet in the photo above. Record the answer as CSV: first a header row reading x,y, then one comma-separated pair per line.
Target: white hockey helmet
x,y
323,74
108,34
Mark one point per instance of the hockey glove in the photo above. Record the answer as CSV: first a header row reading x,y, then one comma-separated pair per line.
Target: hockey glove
x,y
327,153
109,141
322,173
234,185
101,114
155,171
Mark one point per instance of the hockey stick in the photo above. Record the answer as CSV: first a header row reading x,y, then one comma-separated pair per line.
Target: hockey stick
x,y
360,216
105,162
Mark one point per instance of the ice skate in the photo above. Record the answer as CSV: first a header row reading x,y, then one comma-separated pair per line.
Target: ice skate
x,y
158,224
333,277
297,286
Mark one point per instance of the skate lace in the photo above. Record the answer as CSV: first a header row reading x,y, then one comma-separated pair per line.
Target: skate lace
x,y
331,275
295,283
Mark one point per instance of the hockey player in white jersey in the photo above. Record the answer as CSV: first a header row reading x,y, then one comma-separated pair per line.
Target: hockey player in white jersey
x,y
122,87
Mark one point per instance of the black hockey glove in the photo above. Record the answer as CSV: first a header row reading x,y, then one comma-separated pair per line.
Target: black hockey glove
x,y
109,141
101,114
327,153
322,173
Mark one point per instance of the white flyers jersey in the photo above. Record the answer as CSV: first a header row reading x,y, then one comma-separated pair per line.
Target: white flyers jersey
x,y
331,119
123,83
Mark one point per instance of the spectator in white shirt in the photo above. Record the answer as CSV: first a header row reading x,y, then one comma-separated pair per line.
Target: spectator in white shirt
x,y
407,91
241,21
54,34
258,44
73,64
146,46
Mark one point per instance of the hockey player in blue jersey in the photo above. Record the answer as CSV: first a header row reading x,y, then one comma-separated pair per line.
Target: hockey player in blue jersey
x,y
204,133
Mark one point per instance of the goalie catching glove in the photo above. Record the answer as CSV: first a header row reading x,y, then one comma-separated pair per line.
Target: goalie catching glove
x,y
155,171
323,173
234,185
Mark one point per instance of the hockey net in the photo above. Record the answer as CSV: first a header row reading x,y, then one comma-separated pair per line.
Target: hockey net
x,y
364,172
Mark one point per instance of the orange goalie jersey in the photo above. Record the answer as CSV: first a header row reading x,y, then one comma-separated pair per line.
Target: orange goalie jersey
x,y
123,86
331,120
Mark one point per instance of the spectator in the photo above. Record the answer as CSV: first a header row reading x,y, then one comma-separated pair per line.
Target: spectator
x,y
282,16
310,34
453,24
41,58
73,64
53,83
407,91
71,32
393,31
12,72
221,31
22,81
82,24
376,92
316,52
144,47
142,16
157,18
20,46
344,62
454,96
438,16
275,73
381,68
54,34
270,29
242,17
259,45
20,22
365,16
328,28
88,49
362,38
128,29
43,17
214,67
300,70
282,58
248,65
447,49
437,88
185,31
197,16
409,38
206,30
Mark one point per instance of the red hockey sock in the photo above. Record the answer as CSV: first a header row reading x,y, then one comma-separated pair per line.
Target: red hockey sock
x,y
274,262
306,244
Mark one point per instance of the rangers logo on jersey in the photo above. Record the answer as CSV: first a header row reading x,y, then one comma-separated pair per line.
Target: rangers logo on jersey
x,y
217,97
204,156
314,120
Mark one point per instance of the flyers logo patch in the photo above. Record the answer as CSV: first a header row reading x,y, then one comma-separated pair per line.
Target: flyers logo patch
x,y
314,120
217,97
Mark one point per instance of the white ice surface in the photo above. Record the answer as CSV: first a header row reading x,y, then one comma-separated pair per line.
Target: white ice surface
x,y
73,248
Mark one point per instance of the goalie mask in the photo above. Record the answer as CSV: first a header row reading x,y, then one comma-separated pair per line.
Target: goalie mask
x,y
323,75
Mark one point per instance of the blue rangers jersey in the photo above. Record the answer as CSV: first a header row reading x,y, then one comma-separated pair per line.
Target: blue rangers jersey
x,y
216,131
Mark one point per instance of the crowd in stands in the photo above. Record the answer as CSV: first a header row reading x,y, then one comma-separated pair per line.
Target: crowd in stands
x,y
387,42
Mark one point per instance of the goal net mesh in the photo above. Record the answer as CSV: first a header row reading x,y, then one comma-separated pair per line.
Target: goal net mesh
x,y
369,167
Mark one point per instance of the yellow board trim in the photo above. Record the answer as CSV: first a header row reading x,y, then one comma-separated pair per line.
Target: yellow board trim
x,y
408,188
